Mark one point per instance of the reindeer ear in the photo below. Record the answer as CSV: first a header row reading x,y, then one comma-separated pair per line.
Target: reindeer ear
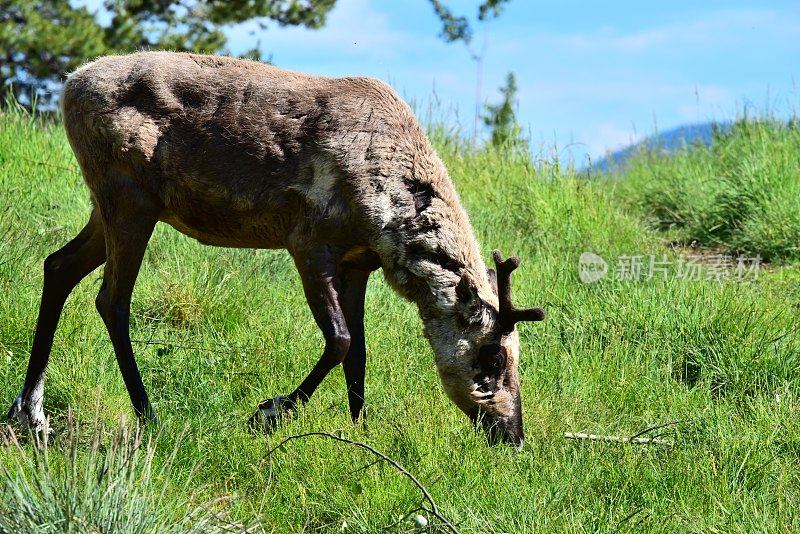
x,y
468,303
465,290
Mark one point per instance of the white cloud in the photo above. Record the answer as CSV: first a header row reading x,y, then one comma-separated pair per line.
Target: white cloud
x,y
608,137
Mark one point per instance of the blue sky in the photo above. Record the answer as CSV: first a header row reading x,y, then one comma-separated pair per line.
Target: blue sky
x,y
592,76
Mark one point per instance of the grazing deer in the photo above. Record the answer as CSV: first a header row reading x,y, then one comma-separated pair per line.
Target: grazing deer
x,y
335,170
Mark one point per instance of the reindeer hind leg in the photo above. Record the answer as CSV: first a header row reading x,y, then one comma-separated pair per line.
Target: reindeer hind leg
x,y
63,270
129,217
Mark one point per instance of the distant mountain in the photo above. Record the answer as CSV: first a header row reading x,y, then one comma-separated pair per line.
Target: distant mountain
x,y
668,141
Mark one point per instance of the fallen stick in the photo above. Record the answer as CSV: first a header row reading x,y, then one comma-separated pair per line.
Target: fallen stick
x,y
434,510
617,439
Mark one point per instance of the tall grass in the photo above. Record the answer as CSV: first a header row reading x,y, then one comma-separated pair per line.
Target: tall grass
x,y
218,330
741,194
101,482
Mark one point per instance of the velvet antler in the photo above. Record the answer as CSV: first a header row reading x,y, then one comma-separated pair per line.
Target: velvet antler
x,y
510,315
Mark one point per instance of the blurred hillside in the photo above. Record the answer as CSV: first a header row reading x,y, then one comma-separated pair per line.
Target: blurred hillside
x,y
667,142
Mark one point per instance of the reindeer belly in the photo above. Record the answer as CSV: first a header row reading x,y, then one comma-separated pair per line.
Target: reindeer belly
x,y
245,231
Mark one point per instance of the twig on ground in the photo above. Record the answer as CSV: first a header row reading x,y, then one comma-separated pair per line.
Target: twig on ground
x,y
654,427
434,510
635,439
617,439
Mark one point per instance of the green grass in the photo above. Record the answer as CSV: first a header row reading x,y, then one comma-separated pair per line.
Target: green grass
x,y
741,194
219,330
96,484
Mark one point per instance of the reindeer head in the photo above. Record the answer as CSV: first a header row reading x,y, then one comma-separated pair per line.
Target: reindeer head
x,y
478,368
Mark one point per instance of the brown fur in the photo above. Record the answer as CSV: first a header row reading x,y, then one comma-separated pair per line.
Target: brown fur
x,y
335,170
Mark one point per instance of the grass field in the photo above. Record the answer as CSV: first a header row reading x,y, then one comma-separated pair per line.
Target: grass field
x,y
218,330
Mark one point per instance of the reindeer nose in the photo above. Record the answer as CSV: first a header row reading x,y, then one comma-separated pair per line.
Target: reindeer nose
x,y
504,431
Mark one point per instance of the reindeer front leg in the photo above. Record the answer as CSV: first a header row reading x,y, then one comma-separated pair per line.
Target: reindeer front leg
x,y
318,271
354,288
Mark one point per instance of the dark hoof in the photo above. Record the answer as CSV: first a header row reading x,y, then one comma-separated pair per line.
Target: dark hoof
x,y
270,413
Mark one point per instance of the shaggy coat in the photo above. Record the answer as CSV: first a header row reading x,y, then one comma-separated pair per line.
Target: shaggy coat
x,y
335,170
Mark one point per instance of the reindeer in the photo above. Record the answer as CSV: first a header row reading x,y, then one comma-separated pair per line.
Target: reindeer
x,y
337,171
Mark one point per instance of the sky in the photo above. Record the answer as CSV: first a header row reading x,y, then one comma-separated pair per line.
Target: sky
x,y
592,76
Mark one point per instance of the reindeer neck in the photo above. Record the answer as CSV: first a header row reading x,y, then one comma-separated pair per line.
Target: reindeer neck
x,y
435,248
